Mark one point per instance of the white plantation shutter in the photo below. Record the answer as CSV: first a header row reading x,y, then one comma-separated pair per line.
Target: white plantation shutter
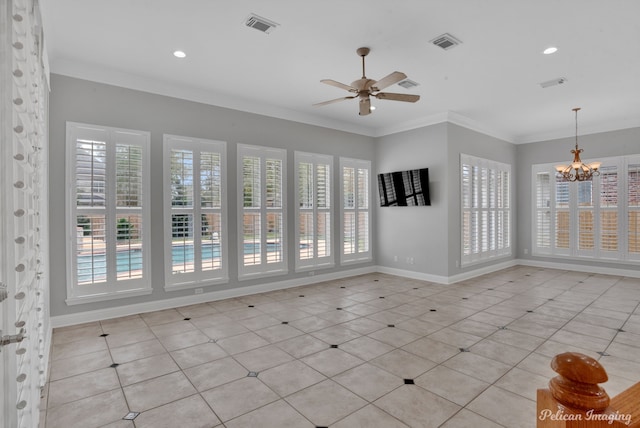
x,y
108,196
195,213
356,232
596,219
314,213
633,214
485,209
261,228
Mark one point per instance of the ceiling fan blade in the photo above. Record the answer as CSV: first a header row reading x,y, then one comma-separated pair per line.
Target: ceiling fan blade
x,y
397,97
324,103
339,85
365,106
389,80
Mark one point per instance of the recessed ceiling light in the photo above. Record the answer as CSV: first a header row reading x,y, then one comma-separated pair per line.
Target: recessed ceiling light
x,y
179,54
372,108
550,50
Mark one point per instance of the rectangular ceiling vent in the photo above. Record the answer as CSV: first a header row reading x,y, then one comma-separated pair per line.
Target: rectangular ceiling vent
x,y
554,82
408,84
260,23
446,41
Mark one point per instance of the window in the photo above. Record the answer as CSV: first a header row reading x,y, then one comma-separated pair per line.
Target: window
x,y
195,212
261,205
486,209
313,210
593,219
108,213
355,196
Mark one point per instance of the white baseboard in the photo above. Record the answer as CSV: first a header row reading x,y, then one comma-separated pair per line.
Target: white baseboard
x,y
157,305
580,268
413,275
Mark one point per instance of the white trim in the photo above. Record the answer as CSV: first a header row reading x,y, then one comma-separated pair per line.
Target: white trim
x,y
590,268
156,305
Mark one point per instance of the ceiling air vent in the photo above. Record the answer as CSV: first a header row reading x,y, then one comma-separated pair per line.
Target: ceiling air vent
x,y
554,82
446,41
408,84
260,23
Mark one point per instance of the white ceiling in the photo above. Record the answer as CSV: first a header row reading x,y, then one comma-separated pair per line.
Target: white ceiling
x,y
489,83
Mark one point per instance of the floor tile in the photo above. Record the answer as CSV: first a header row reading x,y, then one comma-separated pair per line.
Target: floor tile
x,y
417,407
146,368
455,338
325,402
331,361
336,335
478,366
79,347
190,412
310,324
239,397
162,317
466,418
172,328
128,337
278,333
215,373
183,340
199,354
431,349
452,385
118,325
523,383
136,351
81,386
505,408
275,415
81,364
158,391
263,358
368,381
82,413
302,346
366,348
241,343
394,337
290,377
499,351
403,364
369,417
364,325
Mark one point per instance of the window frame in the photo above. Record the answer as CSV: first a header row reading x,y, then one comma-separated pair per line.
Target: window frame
x,y
112,287
357,256
264,268
198,277
315,261
494,207
620,166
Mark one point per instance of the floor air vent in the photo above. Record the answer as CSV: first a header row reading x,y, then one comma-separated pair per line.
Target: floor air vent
x,y
446,41
260,23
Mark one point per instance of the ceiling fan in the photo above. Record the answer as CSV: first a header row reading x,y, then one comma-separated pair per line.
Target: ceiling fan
x,y
365,88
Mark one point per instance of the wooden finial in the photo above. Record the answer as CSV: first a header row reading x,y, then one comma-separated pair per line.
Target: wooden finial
x,y
577,384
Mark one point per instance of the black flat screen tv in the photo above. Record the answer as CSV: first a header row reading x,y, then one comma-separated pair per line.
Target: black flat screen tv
x,y
404,188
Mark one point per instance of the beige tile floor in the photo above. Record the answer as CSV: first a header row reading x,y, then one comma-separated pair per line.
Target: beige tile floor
x,y
368,351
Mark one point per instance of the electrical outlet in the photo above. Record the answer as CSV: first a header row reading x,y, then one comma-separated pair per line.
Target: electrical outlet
x,y
311,273
526,251
198,291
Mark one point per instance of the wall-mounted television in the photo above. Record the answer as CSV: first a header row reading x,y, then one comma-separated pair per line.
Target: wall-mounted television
x,y
404,188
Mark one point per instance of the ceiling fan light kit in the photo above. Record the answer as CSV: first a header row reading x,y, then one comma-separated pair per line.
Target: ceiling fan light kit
x,y
365,88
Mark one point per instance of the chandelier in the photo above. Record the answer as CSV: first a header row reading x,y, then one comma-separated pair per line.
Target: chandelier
x,y
577,170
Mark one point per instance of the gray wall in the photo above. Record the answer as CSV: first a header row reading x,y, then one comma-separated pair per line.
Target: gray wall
x,y
431,235
418,232
94,103
596,146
